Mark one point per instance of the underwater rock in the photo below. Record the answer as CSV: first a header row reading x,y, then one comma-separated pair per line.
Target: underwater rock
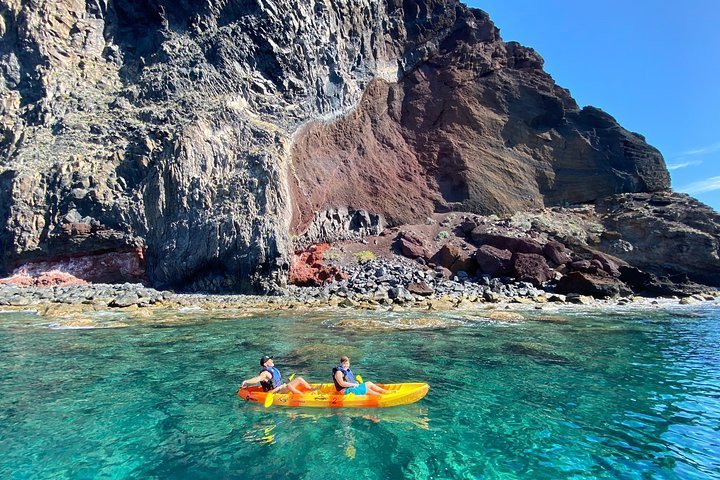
x,y
536,352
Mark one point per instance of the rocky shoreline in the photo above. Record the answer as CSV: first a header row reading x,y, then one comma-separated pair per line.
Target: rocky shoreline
x,y
378,285
453,260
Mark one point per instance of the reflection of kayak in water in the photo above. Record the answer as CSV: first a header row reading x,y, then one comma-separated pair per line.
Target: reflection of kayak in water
x,y
415,414
327,396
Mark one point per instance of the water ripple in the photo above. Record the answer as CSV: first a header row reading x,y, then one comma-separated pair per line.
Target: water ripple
x,y
628,394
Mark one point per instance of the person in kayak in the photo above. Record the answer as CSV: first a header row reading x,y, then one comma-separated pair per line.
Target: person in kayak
x,y
270,379
345,381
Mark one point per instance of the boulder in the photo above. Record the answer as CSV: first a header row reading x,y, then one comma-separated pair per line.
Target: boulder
x,y
125,300
598,285
443,272
467,226
454,258
607,264
478,233
585,266
420,288
635,278
556,252
506,242
493,261
411,246
532,268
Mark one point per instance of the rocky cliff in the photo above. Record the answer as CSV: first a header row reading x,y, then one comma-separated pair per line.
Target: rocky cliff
x,y
198,142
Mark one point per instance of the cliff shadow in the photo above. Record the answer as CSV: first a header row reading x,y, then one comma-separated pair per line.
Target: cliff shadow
x,y
6,180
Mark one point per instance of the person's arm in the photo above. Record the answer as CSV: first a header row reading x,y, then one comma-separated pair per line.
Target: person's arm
x,y
258,379
343,383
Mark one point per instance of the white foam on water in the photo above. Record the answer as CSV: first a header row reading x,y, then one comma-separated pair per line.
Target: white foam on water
x,y
191,309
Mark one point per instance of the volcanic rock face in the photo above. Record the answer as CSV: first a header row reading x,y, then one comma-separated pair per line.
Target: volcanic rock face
x,y
664,233
477,127
207,133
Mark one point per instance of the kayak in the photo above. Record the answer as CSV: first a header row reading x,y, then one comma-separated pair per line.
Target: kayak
x,y
327,396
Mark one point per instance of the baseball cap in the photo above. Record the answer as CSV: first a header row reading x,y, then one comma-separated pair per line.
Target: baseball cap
x,y
264,359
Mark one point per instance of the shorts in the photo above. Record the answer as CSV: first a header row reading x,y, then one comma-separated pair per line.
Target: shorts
x,y
359,390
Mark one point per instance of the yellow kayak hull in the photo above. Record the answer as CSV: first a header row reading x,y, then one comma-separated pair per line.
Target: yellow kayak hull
x,y
327,396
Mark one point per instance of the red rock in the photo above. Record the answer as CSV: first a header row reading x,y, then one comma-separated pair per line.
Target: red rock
x,y
455,259
111,267
493,261
44,279
411,246
506,242
585,266
420,288
607,264
530,267
557,253
307,269
404,151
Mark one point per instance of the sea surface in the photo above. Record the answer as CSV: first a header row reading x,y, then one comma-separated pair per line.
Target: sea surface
x,y
631,394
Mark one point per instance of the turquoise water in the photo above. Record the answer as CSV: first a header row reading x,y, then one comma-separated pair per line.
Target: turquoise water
x,y
574,395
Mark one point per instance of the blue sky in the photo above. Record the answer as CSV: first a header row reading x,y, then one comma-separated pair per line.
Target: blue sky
x,y
653,65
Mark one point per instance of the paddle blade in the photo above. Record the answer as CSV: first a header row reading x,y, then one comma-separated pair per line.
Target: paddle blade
x,y
359,378
291,377
269,399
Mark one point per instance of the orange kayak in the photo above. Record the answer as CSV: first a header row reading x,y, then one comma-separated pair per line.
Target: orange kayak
x,y
327,396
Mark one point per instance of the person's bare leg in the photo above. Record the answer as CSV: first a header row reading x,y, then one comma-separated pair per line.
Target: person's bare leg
x,y
292,386
300,382
375,388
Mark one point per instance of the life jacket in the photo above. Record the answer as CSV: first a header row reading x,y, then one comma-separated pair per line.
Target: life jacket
x,y
348,376
274,382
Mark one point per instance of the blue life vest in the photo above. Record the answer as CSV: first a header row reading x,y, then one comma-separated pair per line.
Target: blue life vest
x,y
348,376
274,382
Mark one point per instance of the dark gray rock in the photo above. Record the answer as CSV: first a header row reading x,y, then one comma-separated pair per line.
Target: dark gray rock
x,y
598,285
667,234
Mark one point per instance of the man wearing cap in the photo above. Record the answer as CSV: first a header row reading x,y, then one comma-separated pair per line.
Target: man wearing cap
x,y
270,379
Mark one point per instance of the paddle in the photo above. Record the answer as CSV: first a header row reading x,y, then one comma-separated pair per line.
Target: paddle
x,y
359,378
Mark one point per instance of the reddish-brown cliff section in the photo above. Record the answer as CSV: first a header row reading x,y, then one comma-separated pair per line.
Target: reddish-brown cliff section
x,y
112,267
43,279
479,127
307,269
363,161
